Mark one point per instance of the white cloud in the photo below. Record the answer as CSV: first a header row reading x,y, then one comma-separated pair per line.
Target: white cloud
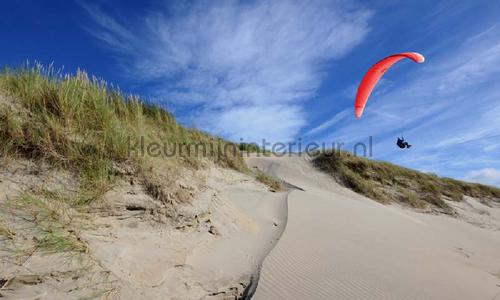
x,y
488,176
328,124
254,123
225,58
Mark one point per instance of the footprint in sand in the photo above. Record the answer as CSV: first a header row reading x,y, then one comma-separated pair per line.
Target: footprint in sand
x,y
464,252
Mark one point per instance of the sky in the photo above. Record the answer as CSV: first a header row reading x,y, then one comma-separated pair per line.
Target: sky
x,y
287,71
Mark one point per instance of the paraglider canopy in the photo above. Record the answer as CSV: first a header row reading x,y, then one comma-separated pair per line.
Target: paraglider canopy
x,y
374,74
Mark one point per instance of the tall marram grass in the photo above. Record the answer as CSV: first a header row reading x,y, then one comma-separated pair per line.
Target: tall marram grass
x,y
81,123
386,182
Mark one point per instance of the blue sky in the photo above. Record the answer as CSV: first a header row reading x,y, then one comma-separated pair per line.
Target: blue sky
x,y
288,70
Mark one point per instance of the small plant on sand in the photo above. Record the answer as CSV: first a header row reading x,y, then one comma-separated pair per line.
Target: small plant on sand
x,y
5,231
273,183
52,219
411,198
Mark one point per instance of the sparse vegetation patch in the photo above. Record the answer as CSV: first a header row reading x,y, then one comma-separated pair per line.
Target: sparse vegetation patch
x,y
385,182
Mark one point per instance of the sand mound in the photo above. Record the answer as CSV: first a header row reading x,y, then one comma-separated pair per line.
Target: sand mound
x,y
339,245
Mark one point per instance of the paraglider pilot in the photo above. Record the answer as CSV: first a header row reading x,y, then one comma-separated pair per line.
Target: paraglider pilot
x,y
402,144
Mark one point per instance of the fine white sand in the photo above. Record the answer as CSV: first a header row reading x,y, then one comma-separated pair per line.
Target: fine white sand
x,y
166,263
339,245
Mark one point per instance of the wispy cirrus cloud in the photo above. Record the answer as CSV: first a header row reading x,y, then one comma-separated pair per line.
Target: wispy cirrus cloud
x,y
331,122
244,68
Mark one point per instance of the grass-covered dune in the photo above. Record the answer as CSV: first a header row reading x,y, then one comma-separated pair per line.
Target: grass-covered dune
x,y
79,123
92,137
385,182
99,190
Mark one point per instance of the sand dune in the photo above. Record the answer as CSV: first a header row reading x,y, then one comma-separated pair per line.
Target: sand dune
x,y
335,244
339,245
216,254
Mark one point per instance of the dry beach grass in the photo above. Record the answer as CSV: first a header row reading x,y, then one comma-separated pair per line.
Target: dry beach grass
x,y
386,183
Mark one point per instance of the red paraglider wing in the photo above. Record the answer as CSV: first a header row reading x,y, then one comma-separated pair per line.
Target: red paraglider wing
x,y
374,74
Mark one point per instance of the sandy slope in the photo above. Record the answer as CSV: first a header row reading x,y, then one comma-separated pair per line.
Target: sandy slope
x,y
228,229
339,245
155,262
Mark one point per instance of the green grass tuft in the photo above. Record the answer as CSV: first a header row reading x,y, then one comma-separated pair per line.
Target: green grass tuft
x,y
52,222
57,240
5,231
273,183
